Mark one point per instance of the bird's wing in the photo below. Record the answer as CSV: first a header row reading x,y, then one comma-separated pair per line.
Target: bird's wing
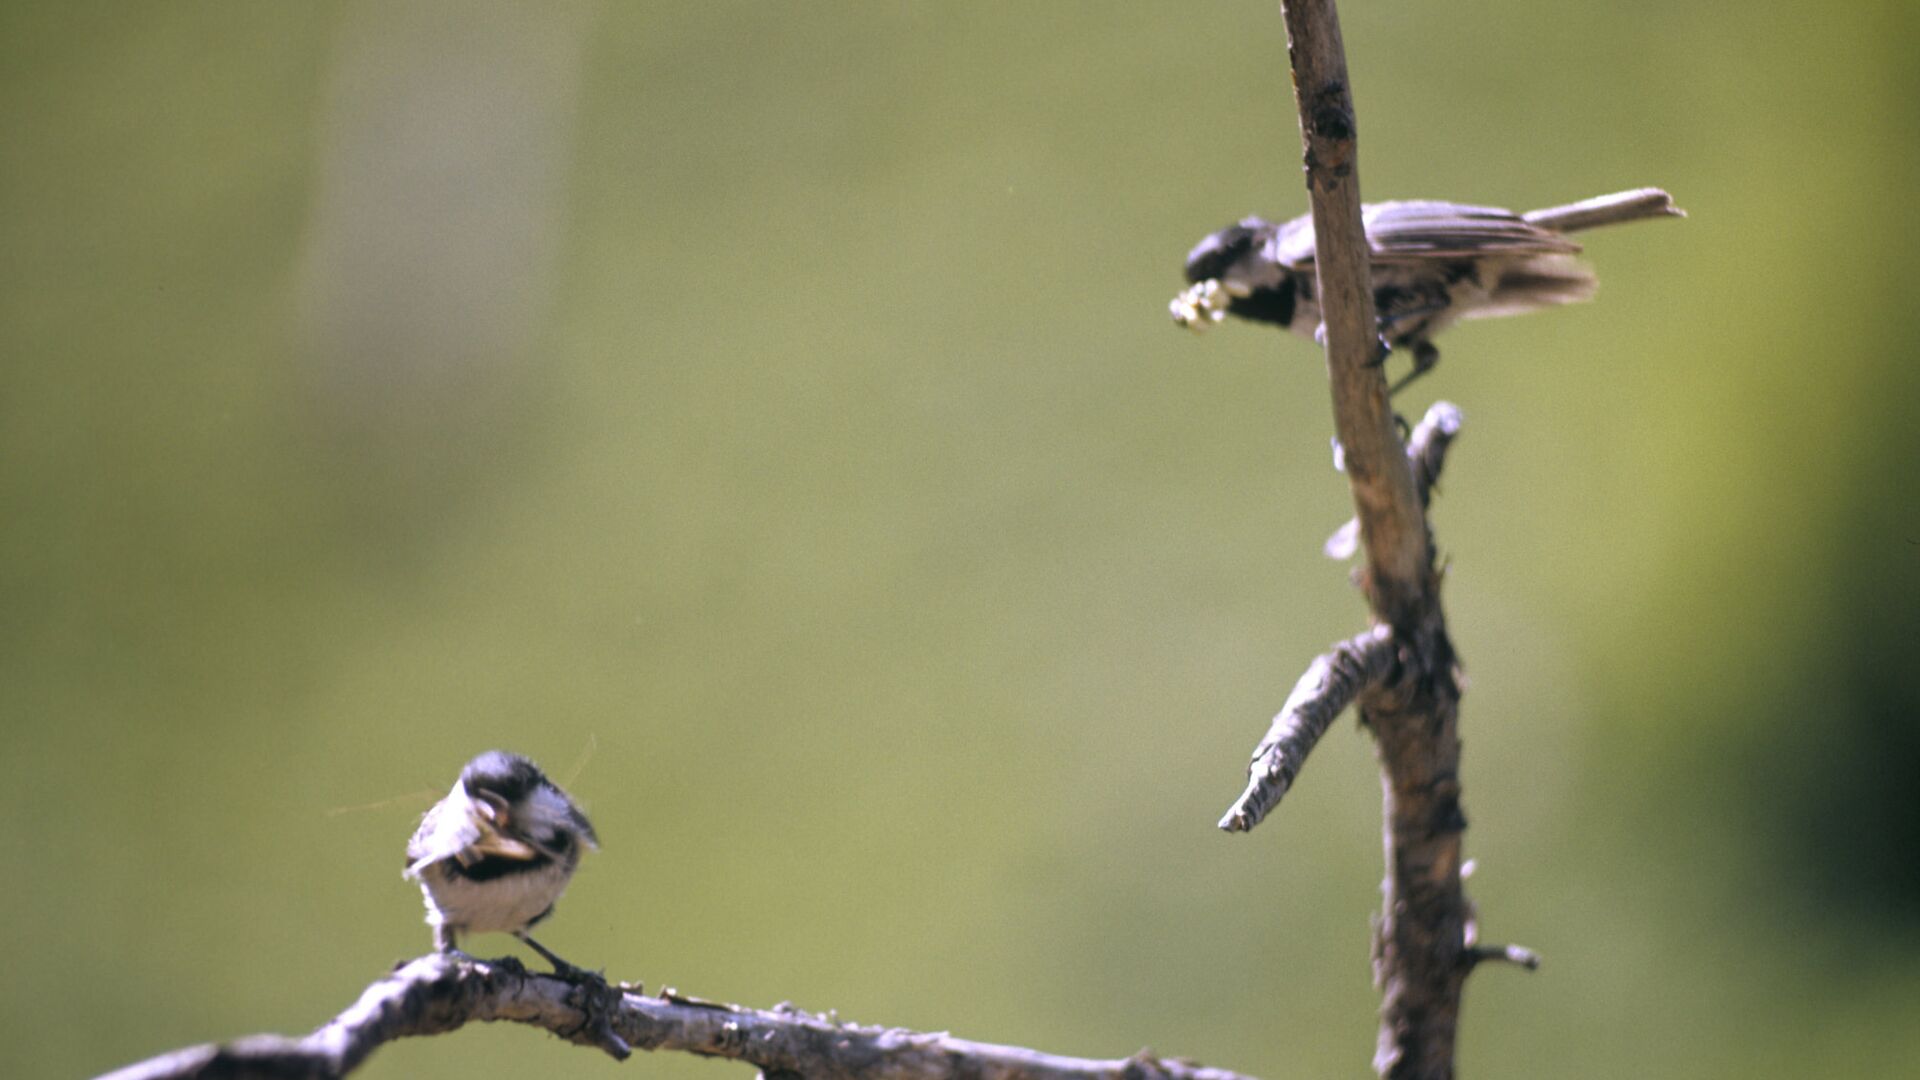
x,y
446,831
1291,243
1403,232
1419,231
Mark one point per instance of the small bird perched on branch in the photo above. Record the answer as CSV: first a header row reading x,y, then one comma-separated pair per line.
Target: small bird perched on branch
x,y
497,852
1433,263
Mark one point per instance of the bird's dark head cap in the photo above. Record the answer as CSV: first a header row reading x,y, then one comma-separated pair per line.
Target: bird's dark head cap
x,y
507,775
1211,257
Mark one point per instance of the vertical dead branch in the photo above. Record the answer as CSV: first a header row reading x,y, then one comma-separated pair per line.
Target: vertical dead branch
x,y
1421,956
1392,527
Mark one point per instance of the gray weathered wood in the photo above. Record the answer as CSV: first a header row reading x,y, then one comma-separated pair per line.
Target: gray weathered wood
x,y
438,993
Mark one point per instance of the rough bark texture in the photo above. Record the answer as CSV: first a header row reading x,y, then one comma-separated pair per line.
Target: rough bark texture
x,y
1427,453
1392,528
1421,955
1331,683
438,993
1347,672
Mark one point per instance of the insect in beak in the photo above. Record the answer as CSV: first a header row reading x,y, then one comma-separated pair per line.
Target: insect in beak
x,y
489,815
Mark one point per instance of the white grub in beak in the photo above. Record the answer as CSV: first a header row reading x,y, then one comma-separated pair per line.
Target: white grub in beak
x,y
489,815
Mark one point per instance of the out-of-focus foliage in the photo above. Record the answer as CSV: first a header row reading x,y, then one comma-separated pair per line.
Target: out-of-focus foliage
x,y
766,417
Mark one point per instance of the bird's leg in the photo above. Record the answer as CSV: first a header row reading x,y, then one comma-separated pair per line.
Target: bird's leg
x,y
1425,356
447,944
560,967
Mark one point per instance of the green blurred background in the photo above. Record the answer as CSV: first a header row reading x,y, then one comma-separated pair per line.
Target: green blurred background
x,y
766,416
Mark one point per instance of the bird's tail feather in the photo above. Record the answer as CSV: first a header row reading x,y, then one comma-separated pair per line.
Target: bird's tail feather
x,y
1606,210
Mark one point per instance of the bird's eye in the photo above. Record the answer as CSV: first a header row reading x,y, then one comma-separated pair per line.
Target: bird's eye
x,y
561,842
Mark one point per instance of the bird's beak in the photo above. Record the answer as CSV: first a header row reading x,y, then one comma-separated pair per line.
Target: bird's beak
x,y
489,816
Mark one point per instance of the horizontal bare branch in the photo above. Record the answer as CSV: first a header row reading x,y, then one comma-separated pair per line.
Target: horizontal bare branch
x,y
436,994
1331,683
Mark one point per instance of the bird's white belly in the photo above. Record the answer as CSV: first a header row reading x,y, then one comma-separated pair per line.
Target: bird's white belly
x,y
508,903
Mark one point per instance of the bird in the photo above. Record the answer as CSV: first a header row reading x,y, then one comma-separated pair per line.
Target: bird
x,y
497,852
1433,264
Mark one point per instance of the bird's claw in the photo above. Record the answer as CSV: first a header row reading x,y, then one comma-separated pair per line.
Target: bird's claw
x,y
1425,358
